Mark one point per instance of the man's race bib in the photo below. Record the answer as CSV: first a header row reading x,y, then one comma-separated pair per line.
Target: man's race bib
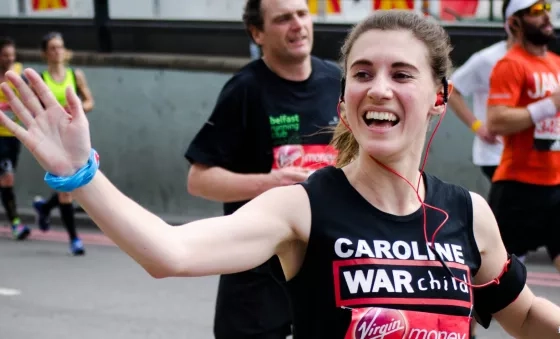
x,y
383,323
547,135
311,157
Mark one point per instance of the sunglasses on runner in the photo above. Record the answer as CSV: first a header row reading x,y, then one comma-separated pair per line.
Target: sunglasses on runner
x,y
538,9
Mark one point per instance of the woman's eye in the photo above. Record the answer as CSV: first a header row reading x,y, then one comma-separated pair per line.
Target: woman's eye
x,y
361,75
402,76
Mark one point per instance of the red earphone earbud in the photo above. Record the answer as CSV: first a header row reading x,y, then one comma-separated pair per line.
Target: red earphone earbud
x,y
440,100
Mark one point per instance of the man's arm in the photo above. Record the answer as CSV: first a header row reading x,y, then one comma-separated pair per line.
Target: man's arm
x,y
217,148
464,113
526,316
506,84
506,120
467,80
218,184
504,114
461,109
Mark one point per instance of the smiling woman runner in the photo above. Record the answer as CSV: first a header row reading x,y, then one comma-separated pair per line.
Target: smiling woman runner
x,y
366,253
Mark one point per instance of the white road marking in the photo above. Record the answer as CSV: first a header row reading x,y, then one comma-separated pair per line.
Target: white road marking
x,y
9,292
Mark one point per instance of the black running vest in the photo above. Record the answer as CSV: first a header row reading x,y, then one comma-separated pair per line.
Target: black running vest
x,y
368,274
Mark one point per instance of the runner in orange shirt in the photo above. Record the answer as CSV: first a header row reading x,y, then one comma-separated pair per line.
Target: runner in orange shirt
x,y
523,108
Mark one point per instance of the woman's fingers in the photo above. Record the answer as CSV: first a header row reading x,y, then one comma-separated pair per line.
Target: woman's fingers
x,y
16,105
43,92
28,97
74,103
16,129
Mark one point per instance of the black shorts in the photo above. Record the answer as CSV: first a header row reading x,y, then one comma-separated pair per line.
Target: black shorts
x,y
488,171
252,304
528,216
10,148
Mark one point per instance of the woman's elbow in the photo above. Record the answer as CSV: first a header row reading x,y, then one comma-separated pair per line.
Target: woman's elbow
x,y
159,273
165,269
172,261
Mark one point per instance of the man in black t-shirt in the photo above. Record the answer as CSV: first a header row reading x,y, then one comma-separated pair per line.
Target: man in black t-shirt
x,y
269,128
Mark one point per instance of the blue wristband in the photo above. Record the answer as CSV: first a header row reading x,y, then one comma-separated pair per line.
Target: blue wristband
x,y
82,177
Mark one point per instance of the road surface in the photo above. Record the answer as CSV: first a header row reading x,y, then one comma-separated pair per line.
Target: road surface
x,y
47,294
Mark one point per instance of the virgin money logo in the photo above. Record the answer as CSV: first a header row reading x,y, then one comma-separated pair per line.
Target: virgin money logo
x,y
290,155
380,323
320,158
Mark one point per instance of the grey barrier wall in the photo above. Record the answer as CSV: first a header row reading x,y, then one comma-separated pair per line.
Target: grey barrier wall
x,y
213,38
144,119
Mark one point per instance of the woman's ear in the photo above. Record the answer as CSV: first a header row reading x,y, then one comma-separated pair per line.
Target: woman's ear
x,y
442,98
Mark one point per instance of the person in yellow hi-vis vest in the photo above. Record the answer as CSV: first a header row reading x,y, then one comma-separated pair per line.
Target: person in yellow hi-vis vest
x,y
10,146
58,77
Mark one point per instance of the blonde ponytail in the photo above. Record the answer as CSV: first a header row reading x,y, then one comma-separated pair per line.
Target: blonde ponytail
x,y
344,142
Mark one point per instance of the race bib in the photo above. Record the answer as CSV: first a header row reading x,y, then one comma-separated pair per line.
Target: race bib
x,y
382,323
547,135
416,280
311,157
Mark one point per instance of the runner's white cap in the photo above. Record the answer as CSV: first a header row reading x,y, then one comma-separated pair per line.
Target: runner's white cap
x,y
514,6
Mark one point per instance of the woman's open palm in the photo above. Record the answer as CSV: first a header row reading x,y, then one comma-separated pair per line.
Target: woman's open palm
x,y
58,139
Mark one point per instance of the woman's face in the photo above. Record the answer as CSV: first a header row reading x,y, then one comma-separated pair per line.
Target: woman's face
x,y
390,92
56,51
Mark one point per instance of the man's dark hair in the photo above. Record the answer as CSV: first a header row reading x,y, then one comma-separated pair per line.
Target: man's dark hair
x,y
252,16
6,41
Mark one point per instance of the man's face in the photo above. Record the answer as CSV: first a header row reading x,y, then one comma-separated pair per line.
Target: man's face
x,y
536,27
287,32
7,57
